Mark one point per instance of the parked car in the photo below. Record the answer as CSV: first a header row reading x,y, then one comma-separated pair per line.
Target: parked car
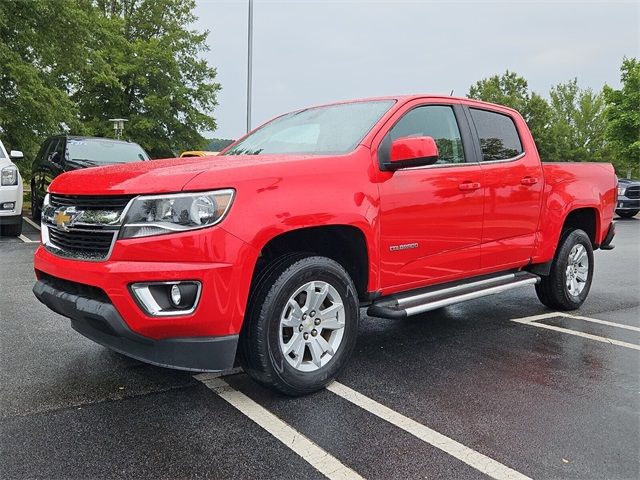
x,y
11,190
628,198
197,153
64,153
401,205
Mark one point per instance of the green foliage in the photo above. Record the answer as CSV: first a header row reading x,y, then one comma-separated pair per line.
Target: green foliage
x,y
512,90
577,124
73,64
40,51
623,117
218,144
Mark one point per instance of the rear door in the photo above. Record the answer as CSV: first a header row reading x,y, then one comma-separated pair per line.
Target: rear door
x,y
513,181
430,216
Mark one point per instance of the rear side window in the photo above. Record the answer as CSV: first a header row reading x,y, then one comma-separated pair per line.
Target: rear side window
x,y
499,138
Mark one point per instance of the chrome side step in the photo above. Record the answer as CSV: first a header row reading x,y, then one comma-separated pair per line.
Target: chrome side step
x,y
419,301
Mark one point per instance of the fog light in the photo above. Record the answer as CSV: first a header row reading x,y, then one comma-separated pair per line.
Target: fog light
x,y
167,298
176,296
8,205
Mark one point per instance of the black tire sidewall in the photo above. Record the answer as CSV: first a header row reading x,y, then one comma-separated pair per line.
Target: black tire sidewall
x,y
571,239
302,272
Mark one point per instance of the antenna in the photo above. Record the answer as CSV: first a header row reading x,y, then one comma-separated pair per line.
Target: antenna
x,y
451,94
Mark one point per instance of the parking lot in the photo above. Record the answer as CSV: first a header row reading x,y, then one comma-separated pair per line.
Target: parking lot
x,y
497,387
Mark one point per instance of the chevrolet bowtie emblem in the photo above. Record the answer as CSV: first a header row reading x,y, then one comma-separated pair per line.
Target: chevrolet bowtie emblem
x,y
62,219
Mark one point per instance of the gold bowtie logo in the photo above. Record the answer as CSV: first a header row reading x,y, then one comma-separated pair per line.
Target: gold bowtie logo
x,y
62,219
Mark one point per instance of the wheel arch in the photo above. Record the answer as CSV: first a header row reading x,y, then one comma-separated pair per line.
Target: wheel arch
x,y
346,244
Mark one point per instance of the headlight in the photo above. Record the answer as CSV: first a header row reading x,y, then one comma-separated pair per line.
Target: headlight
x,y
178,212
9,176
621,190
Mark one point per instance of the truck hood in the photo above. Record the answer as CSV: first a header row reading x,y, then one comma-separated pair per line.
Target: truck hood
x,y
169,175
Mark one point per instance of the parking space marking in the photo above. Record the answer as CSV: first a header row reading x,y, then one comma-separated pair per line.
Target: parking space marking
x,y
477,460
27,240
316,456
31,222
533,321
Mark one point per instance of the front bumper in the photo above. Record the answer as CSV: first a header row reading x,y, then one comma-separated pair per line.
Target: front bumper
x,y
95,317
628,203
11,194
10,219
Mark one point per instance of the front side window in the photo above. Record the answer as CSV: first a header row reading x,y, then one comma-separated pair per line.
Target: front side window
x,y
332,129
436,121
499,138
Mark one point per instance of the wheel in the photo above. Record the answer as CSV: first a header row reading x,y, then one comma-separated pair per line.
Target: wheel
x,y
567,285
627,213
36,209
11,230
301,324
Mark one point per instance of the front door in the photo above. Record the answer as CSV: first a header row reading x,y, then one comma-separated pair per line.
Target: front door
x,y
431,217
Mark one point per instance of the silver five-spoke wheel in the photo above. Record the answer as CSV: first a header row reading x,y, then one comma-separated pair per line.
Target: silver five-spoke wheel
x,y
312,326
577,271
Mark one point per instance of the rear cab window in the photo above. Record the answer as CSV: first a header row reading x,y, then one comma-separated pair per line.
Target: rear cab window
x,y
498,135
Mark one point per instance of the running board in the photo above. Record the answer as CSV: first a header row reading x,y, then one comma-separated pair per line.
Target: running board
x,y
405,304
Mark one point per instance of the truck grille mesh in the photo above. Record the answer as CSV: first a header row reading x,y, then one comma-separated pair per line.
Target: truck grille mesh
x,y
632,192
83,241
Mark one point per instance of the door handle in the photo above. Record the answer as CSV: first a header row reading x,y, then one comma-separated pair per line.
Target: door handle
x,y
529,181
467,186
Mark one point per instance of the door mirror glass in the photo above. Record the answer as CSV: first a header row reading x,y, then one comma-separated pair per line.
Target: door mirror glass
x,y
409,152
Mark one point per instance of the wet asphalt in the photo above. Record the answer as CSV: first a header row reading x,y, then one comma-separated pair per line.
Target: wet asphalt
x,y
548,404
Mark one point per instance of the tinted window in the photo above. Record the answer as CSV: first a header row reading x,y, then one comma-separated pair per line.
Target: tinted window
x,y
332,129
498,135
88,151
437,121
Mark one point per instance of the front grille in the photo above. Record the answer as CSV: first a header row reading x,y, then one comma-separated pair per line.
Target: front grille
x,y
632,192
84,244
82,202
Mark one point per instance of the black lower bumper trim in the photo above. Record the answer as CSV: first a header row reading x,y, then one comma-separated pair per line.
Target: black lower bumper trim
x,y
99,321
10,220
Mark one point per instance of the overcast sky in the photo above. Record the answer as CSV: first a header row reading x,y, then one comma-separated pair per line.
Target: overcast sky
x,y
309,52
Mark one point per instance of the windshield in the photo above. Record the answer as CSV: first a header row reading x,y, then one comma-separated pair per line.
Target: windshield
x,y
101,152
333,129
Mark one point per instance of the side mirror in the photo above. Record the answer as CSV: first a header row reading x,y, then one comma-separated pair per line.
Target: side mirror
x,y
407,152
16,155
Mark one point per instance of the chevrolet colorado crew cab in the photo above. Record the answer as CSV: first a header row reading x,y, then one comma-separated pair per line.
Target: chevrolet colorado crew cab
x,y
267,252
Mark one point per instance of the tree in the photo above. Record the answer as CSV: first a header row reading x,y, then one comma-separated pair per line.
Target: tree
x,y
512,90
577,123
145,67
40,53
623,119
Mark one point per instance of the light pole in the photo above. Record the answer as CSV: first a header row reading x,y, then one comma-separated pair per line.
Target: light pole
x,y
118,126
249,62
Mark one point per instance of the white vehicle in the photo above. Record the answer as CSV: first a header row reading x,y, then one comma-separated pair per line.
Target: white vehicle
x,y
10,194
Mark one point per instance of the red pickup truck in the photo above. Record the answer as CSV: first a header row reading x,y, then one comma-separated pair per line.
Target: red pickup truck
x,y
267,252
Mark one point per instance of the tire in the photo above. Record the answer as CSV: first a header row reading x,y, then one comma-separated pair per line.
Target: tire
x,y
627,213
36,209
557,290
11,230
284,347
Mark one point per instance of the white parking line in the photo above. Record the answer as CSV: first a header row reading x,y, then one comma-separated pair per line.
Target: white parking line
x,y
31,222
533,321
316,456
477,460
27,240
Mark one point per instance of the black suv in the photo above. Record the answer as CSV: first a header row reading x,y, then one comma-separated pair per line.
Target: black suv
x,y
628,198
64,153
